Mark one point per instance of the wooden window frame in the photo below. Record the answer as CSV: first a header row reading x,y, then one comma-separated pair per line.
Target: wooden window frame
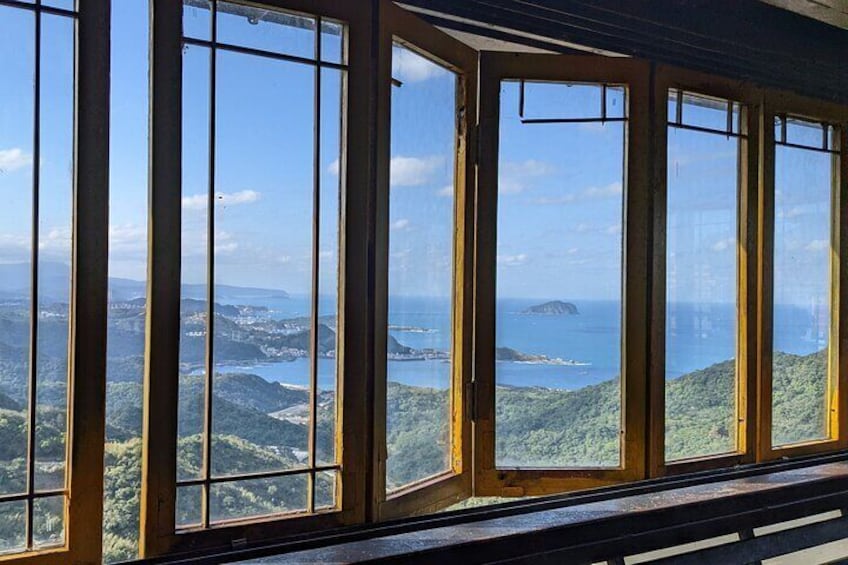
x,y
159,534
433,493
777,103
495,67
668,78
83,516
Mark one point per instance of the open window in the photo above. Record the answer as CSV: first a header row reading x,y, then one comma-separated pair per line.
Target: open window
x,y
703,381
560,288
802,380
427,91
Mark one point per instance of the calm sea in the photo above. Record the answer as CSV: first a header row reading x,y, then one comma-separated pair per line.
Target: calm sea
x,y
697,337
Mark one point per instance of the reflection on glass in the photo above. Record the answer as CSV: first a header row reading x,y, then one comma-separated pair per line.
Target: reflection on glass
x,y
559,272
127,279
802,235
421,208
701,256
48,522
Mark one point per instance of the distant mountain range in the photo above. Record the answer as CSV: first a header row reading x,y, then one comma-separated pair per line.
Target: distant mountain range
x,y
54,285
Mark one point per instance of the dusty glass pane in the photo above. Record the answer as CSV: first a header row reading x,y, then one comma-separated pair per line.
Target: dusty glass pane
x,y
48,522
54,258
806,133
188,505
128,176
12,527
705,111
801,295
421,223
559,271
561,100
267,29
263,263
258,497
332,42
195,161
701,258
197,19
17,64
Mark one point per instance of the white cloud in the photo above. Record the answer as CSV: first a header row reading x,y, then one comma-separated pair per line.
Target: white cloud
x,y
564,199
723,245
512,260
400,225
608,191
333,168
790,213
408,66
200,201
414,171
446,191
13,159
514,175
818,245
614,229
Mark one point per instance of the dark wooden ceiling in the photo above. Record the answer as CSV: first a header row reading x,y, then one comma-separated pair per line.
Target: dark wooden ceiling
x,y
746,39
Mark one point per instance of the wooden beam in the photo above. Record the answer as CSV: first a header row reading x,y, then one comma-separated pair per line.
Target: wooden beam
x,y
162,341
89,291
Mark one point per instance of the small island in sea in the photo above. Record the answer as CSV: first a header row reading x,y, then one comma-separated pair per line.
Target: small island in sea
x,y
509,354
553,308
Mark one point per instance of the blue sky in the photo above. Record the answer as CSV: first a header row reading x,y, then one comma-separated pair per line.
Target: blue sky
x,y
560,185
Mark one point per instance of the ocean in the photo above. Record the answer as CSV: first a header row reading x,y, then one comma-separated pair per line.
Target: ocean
x,y
697,337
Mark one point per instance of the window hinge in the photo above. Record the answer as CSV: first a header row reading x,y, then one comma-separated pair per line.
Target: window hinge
x,y
476,144
471,400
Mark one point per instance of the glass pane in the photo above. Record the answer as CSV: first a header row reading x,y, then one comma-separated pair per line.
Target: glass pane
x,y
701,255
188,503
560,100
48,522
559,269
801,295
704,111
258,497
63,4
263,260
127,279
325,490
197,19
809,134
421,212
194,256
54,258
332,42
12,527
266,29
17,64
332,84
